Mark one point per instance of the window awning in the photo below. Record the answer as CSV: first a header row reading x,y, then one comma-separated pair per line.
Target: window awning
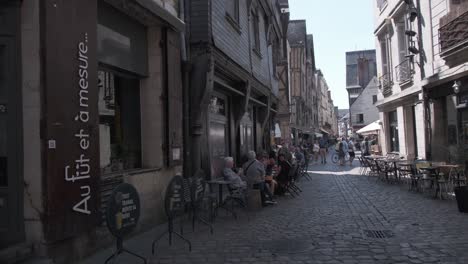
x,y
371,129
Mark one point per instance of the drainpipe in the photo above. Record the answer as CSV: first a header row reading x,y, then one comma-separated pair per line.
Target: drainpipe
x,y
426,104
185,91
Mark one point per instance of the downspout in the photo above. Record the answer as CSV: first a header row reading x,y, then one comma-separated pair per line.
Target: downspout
x,y
185,91
426,105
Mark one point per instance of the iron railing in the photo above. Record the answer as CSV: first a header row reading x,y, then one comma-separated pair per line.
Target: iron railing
x,y
381,4
454,33
386,84
404,72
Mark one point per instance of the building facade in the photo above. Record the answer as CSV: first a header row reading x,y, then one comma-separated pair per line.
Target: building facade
x,y
363,111
446,79
297,38
400,70
360,69
234,79
82,113
427,40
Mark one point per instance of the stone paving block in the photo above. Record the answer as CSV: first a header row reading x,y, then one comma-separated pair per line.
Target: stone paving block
x,y
329,217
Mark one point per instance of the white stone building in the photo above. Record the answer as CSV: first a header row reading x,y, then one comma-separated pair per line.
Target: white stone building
x,y
400,101
422,54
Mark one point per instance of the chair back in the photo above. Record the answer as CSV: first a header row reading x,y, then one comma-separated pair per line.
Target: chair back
x,y
292,172
197,188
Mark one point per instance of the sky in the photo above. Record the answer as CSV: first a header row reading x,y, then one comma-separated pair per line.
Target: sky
x,y
338,27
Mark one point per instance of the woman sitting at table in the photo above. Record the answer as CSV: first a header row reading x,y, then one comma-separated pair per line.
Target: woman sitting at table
x,y
232,177
271,165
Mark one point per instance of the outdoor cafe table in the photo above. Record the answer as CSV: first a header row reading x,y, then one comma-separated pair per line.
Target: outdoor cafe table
x,y
452,167
221,183
434,170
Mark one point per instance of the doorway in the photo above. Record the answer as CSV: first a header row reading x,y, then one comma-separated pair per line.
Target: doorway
x,y
11,191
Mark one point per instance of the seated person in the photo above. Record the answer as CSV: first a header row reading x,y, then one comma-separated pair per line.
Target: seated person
x,y
230,176
254,170
283,174
271,165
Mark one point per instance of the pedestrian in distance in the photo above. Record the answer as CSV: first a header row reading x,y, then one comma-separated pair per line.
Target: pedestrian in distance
x,y
316,150
323,144
351,151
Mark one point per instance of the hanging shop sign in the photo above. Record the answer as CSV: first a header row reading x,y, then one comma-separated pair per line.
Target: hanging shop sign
x,y
71,117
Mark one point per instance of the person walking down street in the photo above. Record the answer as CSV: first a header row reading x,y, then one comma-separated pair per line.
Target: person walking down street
x,y
323,144
254,170
316,150
351,151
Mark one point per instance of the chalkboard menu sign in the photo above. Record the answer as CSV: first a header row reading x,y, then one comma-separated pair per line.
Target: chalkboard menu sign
x,y
123,210
174,200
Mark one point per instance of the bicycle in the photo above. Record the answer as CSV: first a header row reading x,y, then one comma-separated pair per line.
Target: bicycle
x,y
335,157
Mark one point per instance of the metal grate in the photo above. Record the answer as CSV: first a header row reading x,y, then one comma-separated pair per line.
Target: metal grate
x,y
378,233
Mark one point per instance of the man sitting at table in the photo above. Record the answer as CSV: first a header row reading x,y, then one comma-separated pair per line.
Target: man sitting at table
x,y
254,170
232,177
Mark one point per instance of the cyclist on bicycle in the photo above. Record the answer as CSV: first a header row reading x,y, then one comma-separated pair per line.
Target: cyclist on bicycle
x,y
342,150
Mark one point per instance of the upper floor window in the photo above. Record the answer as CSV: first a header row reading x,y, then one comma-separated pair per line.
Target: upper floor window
x,y
402,39
232,10
256,31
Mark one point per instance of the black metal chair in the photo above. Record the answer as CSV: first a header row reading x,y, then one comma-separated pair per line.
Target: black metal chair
x,y
197,197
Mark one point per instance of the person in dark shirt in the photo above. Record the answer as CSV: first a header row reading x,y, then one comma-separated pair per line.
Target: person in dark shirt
x,y
283,174
323,143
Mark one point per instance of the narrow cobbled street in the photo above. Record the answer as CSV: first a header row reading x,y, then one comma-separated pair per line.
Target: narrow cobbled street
x,y
330,223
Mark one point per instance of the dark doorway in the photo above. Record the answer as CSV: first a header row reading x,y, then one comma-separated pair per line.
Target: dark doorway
x,y
11,191
393,126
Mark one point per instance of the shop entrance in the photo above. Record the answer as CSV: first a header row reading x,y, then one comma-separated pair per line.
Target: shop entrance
x,y
11,191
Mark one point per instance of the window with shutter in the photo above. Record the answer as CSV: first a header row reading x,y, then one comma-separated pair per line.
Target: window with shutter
x,y
402,40
174,115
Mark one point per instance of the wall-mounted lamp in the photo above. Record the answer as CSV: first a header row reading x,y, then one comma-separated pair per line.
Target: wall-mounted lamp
x,y
413,50
410,33
413,14
456,87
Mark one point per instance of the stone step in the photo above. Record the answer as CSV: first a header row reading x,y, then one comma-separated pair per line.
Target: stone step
x,y
16,253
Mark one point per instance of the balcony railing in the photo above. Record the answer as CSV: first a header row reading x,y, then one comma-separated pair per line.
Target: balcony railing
x,y
386,84
454,34
381,4
404,72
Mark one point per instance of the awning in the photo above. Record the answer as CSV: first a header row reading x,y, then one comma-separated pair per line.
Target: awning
x,y
324,131
371,129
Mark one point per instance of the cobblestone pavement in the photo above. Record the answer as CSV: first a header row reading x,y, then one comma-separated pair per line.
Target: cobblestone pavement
x,y
328,223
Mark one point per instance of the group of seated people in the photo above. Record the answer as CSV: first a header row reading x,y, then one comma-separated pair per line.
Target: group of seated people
x,y
259,172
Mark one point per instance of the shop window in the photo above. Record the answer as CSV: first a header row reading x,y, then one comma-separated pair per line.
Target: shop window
x,y
119,122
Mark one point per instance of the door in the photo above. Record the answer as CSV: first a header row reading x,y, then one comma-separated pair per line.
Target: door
x,y
393,126
218,133
464,136
11,226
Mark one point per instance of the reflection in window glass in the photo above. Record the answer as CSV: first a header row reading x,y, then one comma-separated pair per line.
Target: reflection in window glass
x,y
119,125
